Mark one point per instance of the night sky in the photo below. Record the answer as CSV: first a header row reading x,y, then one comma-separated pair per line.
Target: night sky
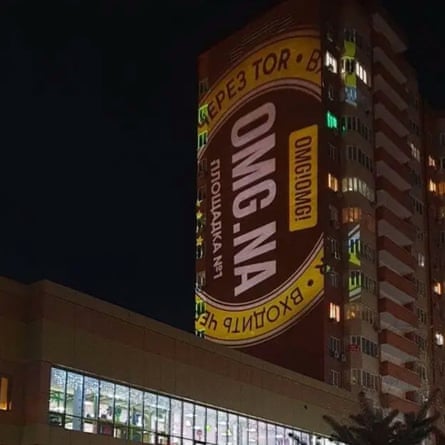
x,y
98,103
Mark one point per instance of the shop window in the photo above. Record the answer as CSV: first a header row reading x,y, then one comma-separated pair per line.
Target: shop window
x,y
211,426
223,426
74,397
5,390
176,417
90,404
163,414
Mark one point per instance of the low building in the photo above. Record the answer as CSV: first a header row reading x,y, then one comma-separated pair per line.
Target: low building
x,y
78,370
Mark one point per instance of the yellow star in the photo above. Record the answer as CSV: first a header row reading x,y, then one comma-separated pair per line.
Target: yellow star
x,y
199,240
198,214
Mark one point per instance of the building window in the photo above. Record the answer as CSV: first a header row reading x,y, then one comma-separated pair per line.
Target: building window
x,y
331,120
98,406
330,62
438,337
351,95
203,86
432,186
333,247
334,346
417,205
5,390
441,188
199,249
431,162
351,215
355,154
202,167
334,377
415,152
203,114
421,316
333,216
361,72
333,152
353,123
201,279
442,139
202,139
332,182
437,287
334,312
364,378
334,279
358,185
420,259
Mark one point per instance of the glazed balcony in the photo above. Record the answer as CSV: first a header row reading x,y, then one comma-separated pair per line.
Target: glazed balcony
x,y
392,170
403,405
397,316
399,376
395,287
390,141
390,225
395,257
392,198
386,33
397,346
386,110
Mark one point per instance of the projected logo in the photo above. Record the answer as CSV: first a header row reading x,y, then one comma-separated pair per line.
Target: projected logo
x,y
264,249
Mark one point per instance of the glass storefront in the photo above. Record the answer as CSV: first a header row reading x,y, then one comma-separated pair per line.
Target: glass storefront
x,y
85,403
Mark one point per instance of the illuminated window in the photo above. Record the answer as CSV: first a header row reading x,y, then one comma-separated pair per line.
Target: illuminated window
x,y
331,62
420,259
358,185
351,214
202,139
332,182
351,95
441,188
361,72
432,186
347,65
438,337
201,279
5,403
437,287
203,114
331,120
334,312
431,162
415,152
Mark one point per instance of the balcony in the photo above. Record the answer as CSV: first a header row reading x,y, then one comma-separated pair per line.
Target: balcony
x,y
384,81
381,25
392,170
403,405
392,198
395,257
397,316
400,377
391,226
395,287
386,110
397,346
388,139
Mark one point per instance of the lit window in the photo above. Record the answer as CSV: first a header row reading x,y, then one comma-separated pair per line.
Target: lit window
x,y
351,214
5,403
358,185
332,182
441,188
438,337
330,62
437,288
431,162
203,114
331,120
334,312
202,139
421,259
415,152
432,186
361,72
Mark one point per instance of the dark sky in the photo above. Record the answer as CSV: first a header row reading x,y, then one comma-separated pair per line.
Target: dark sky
x,y
98,139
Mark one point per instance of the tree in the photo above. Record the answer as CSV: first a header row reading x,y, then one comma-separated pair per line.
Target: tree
x,y
371,427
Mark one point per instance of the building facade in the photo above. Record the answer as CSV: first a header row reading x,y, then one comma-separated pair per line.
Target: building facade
x,y
77,370
351,189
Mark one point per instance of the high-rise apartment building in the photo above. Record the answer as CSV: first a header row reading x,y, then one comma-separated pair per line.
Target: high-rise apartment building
x,y
321,201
